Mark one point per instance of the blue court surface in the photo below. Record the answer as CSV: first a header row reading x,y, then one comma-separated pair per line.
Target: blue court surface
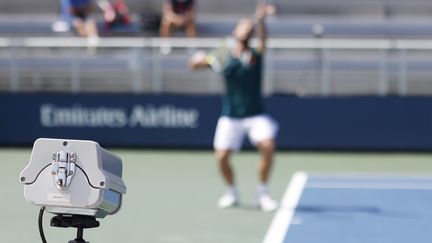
x,y
353,208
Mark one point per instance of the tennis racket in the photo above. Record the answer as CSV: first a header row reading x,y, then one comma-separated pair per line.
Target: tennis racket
x,y
219,57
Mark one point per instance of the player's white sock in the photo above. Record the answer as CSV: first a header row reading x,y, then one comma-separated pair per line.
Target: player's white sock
x,y
262,189
232,190
229,199
265,202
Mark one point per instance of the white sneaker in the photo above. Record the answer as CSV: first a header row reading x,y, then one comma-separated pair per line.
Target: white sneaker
x,y
92,44
165,48
228,200
60,26
266,203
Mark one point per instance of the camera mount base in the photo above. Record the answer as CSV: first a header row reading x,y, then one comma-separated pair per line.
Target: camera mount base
x,y
80,222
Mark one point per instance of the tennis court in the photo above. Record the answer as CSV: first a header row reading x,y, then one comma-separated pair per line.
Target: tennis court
x,y
353,208
172,198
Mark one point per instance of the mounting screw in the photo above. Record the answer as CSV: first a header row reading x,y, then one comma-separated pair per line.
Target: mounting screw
x,y
72,157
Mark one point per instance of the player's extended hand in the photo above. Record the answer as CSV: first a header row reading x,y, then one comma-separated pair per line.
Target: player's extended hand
x,y
261,10
198,60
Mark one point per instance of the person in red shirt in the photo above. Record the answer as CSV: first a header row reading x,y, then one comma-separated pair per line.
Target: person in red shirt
x,y
178,14
115,12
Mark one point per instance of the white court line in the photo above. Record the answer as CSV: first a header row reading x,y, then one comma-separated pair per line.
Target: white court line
x,y
283,217
369,185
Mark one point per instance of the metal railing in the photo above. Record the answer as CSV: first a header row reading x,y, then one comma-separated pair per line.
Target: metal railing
x,y
293,66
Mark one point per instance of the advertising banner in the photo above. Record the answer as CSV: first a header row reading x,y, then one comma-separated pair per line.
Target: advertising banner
x,y
181,121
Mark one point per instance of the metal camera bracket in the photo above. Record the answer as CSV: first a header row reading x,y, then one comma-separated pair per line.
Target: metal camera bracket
x,y
63,168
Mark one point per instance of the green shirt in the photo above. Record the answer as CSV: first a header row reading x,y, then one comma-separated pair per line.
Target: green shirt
x,y
242,77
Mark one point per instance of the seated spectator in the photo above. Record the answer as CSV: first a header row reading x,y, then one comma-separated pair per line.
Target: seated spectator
x,y
178,14
82,23
64,24
116,13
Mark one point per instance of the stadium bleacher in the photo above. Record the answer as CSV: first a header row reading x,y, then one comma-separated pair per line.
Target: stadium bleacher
x,y
291,71
352,18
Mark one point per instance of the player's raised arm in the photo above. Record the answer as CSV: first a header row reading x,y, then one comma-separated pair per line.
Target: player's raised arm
x,y
261,12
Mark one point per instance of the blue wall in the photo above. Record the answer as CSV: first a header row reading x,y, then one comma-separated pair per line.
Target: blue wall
x,y
348,123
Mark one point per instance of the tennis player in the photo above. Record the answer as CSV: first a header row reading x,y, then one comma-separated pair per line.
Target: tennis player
x,y
243,110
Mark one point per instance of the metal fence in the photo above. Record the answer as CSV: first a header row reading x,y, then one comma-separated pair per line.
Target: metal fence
x,y
141,65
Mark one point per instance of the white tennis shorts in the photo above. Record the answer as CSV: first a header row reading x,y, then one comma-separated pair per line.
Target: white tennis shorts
x,y
230,132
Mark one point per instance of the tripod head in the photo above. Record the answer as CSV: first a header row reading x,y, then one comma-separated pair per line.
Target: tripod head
x,y
80,222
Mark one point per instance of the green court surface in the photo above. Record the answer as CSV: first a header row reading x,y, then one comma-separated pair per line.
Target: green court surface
x,y
172,195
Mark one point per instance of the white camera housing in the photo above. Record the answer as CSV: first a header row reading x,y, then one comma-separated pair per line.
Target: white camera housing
x,y
73,177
